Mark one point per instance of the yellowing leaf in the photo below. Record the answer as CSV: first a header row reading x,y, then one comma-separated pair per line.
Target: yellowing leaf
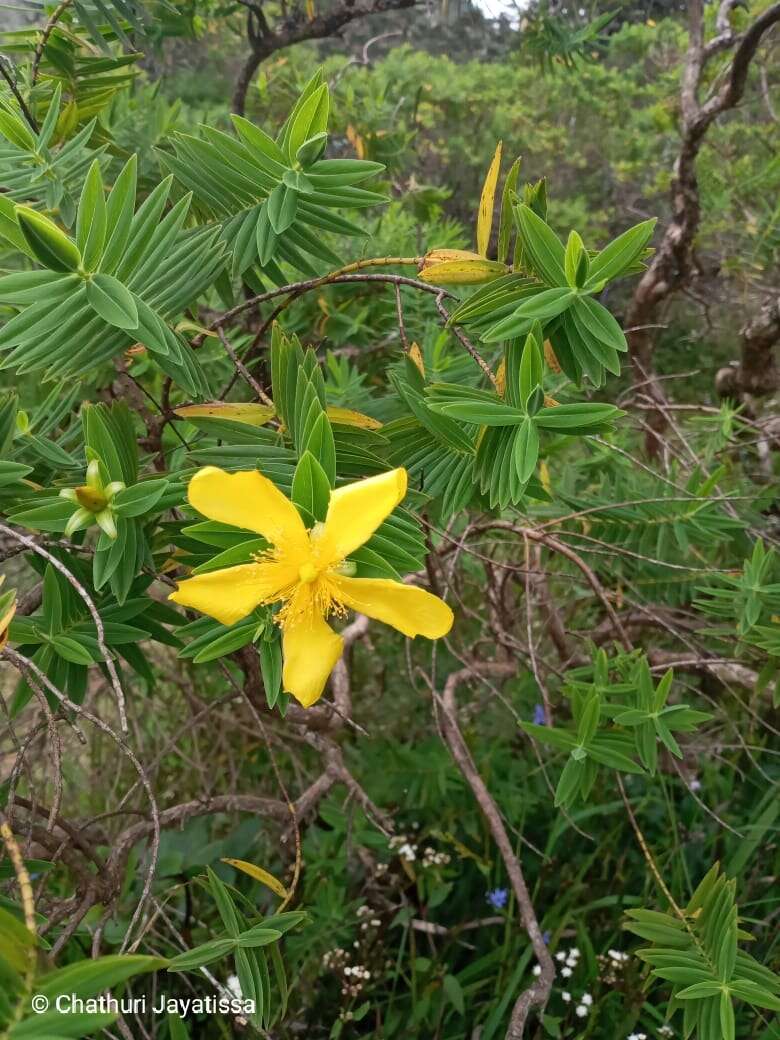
x,y
544,477
550,358
416,355
192,326
463,272
486,202
250,414
550,402
7,611
438,256
67,121
501,378
310,10
346,417
259,875
463,850
356,141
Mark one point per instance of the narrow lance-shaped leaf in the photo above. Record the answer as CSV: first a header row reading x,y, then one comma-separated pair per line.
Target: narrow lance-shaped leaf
x,y
487,201
91,219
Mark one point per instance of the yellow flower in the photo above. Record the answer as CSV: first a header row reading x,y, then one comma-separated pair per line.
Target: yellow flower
x,y
305,570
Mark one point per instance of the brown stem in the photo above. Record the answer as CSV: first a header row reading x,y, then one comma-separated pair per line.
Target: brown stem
x,y
538,993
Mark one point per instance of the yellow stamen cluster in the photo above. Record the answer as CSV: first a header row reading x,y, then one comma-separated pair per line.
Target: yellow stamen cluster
x,y
308,594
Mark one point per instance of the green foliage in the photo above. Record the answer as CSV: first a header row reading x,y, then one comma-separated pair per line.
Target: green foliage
x,y
173,297
698,952
275,197
638,726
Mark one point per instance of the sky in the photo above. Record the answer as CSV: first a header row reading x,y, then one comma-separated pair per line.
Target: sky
x,y
494,8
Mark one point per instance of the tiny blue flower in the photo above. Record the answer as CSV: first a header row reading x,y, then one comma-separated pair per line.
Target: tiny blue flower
x,y
539,716
498,898
546,938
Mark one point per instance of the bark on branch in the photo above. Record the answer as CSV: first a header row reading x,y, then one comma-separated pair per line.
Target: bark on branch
x,y
671,266
266,40
538,994
756,373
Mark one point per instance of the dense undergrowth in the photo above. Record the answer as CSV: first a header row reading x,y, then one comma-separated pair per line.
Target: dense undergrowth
x,y
557,817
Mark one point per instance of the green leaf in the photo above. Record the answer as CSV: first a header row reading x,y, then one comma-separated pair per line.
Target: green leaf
x,y
176,1028
139,499
699,990
454,993
480,407
281,208
577,418
589,719
619,255
526,449
542,245
754,994
271,668
505,220
56,1025
16,131
49,244
569,782
309,119
260,935
311,487
87,978
233,638
265,236
224,901
112,301
91,221
204,954
531,368
542,307
312,149
600,323
71,650
558,738
575,261
119,216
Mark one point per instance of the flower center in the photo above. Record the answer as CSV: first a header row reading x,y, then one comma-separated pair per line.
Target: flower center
x,y
307,573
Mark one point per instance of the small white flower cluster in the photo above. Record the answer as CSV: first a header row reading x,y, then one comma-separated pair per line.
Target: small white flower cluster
x,y
357,972
354,977
432,858
666,1030
569,961
637,1036
612,965
367,920
405,849
335,958
584,1003
582,1010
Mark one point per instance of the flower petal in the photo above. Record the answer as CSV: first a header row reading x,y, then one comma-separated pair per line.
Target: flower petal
x,y
412,611
356,510
231,593
311,649
247,499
